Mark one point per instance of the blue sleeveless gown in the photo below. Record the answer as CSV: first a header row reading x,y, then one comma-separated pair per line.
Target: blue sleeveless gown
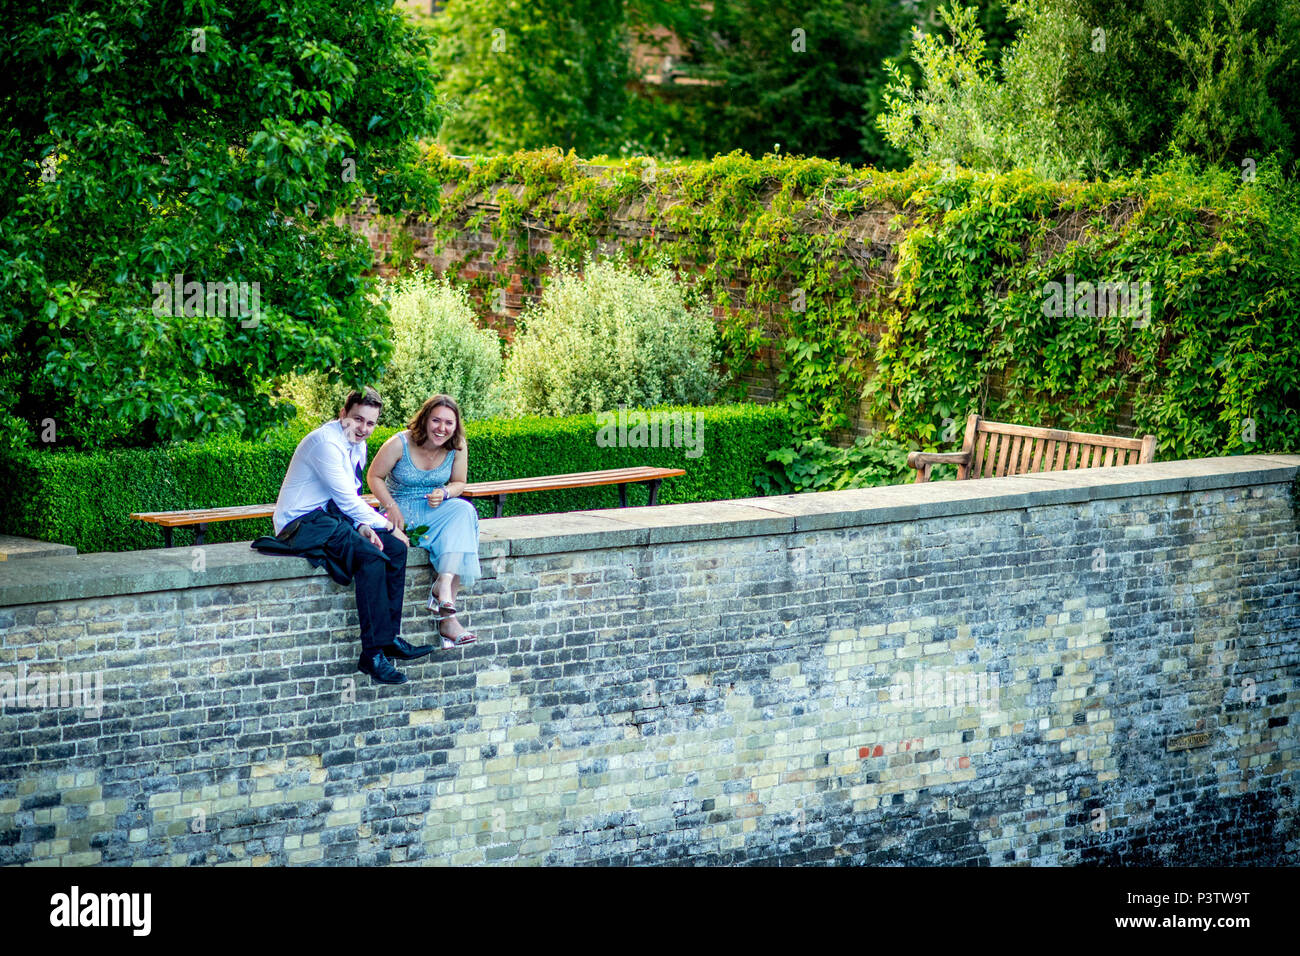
x,y
452,538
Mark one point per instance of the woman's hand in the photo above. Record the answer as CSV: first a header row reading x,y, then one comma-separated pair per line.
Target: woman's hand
x,y
436,497
397,518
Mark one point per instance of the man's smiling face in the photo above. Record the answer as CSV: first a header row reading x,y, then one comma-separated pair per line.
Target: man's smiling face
x,y
359,422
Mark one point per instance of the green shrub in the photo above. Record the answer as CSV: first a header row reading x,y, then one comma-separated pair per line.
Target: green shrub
x,y
437,348
816,466
612,336
85,498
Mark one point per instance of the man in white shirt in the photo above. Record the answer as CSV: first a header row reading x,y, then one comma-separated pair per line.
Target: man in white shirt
x,y
320,515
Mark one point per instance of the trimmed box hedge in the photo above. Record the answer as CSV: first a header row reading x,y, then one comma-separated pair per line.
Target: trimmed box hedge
x,y
85,498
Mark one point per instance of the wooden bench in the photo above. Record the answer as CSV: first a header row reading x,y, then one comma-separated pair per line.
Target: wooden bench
x,y
622,477
995,449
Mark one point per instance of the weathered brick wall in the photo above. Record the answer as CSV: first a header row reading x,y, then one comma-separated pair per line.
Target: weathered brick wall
x,y
718,683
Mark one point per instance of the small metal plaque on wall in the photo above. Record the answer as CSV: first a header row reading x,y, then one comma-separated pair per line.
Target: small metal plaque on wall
x,y
1188,741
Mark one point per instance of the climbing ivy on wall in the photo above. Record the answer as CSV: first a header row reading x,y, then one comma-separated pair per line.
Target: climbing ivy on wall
x,y
1182,286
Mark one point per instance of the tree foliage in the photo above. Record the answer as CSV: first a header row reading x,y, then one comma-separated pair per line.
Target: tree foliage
x,y
211,140
748,74
522,73
1093,88
809,75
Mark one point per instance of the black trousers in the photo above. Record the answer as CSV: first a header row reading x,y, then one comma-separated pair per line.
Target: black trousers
x,y
380,585
326,538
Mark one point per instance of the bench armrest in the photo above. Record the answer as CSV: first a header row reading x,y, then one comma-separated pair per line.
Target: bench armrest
x,y
923,461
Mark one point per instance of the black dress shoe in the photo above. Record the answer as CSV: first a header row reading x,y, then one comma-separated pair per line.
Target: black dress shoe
x,y
378,667
402,651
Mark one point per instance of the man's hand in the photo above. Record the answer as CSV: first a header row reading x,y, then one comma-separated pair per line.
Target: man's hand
x,y
372,536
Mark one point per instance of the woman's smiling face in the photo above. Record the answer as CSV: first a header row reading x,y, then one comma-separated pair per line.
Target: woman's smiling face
x,y
441,425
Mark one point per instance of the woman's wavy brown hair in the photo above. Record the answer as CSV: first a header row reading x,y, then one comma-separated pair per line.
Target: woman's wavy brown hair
x,y
418,425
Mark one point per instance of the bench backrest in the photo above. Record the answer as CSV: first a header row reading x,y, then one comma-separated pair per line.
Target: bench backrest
x,y
1000,449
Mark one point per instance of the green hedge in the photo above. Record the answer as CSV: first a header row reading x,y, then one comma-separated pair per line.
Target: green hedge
x,y
84,498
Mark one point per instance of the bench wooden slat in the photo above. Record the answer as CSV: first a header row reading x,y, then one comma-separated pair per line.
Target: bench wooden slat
x,y
1026,455
608,473
1086,438
1045,451
999,463
981,444
1002,455
588,479
1033,454
1014,458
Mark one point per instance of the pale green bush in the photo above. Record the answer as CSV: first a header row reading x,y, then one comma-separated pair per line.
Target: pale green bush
x,y
611,336
972,112
437,347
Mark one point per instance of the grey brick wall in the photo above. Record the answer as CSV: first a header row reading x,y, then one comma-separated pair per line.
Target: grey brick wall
x,y
983,673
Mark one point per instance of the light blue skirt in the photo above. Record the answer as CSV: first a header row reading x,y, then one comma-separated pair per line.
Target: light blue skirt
x,y
452,538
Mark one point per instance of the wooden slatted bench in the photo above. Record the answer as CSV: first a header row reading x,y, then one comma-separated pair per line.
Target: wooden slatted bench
x,y
995,449
622,477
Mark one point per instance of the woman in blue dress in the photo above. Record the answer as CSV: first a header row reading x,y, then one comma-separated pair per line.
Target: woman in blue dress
x,y
418,476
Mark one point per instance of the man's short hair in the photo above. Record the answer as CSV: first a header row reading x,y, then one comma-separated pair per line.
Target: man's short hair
x,y
367,396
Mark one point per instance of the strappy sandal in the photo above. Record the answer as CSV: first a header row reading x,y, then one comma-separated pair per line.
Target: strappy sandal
x,y
443,609
451,642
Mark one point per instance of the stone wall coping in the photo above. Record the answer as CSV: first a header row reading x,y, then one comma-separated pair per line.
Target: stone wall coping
x,y
67,578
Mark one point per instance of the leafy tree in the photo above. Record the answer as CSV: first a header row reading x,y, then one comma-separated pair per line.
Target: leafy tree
x,y
522,74
542,73
964,112
807,74
210,140
1092,88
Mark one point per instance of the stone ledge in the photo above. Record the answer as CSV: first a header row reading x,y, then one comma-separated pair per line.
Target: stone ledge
x,y
13,548
65,578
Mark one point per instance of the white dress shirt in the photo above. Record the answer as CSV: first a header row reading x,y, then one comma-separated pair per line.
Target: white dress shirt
x,y
323,467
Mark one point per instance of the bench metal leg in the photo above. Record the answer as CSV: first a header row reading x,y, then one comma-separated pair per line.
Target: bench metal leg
x,y
167,536
654,491
622,496
501,505
198,535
